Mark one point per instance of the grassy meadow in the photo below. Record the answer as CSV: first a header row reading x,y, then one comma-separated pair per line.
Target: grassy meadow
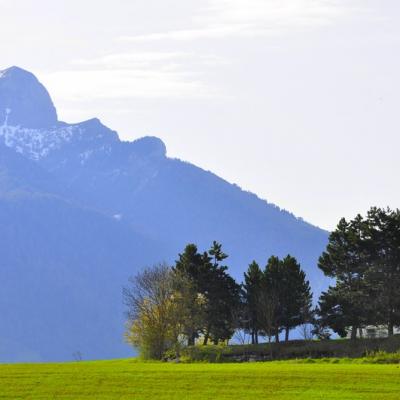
x,y
130,379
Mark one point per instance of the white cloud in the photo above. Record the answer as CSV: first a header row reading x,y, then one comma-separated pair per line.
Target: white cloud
x,y
217,31
158,70
145,74
254,18
76,85
148,59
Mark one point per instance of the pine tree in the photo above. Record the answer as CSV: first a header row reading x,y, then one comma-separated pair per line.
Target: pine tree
x,y
223,297
253,280
191,265
383,276
295,296
216,254
271,308
286,296
346,260
220,291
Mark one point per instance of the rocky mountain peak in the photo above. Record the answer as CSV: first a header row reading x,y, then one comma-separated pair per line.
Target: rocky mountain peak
x,y
24,101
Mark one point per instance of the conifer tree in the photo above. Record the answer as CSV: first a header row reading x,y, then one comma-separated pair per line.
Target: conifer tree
x,y
295,296
191,265
346,260
223,297
383,277
253,280
271,310
220,291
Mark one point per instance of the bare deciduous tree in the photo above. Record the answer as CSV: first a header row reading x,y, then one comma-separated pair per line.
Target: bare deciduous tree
x,y
148,298
163,310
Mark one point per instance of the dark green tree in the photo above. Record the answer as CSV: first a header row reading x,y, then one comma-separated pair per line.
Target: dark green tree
x,y
190,306
270,303
346,260
216,254
223,297
191,265
219,290
295,296
383,277
252,288
191,262
286,297
337,311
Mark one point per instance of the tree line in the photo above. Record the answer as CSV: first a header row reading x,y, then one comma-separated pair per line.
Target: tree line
x,y
196,301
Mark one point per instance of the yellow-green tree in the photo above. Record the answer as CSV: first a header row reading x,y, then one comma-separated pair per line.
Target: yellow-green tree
x,y
162,310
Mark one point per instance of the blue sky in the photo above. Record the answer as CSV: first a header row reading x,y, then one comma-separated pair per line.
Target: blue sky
x,y
295,100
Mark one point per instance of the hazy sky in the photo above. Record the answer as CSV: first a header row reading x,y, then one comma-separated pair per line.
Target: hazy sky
x,y
295,100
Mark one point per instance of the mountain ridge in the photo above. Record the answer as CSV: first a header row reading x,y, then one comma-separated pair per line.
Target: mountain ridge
x,y
111,207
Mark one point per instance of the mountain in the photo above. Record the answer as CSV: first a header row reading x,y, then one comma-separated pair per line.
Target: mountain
x,y
25,99
81,211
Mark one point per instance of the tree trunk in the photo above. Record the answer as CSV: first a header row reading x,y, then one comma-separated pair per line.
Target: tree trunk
x,y
287,334
191,340
390,328
353,332
256,336
271,354
277,337
252,337
206,337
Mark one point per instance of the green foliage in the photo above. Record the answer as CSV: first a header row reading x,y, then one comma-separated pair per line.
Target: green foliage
x,y
223,295
382,357
198,297
363,349
191,265
383,275
280,297
295,295
167,305
363,255
162,306
216,286
207,353
217,255
252,292
152,325
345,304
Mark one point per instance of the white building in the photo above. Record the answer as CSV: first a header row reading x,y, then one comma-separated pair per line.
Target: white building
x,y
372,332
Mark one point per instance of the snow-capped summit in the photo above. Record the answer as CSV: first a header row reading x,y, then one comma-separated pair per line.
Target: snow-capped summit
x,y
29,125
24,101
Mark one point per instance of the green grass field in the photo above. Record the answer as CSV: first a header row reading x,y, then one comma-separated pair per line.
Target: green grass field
x,y
128,379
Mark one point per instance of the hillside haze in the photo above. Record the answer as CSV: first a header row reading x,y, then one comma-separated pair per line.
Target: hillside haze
x,y
81,211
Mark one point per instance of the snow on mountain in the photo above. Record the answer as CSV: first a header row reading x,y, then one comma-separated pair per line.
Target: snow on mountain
x,y
29,123
36,144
